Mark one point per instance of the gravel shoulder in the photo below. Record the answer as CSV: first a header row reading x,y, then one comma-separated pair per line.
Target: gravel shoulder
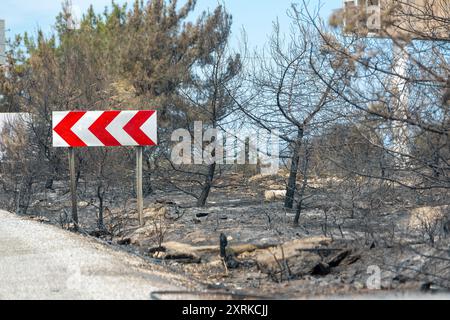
x,y
39,262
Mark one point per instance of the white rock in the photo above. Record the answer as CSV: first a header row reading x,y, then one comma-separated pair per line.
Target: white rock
x,y
83,204
273,195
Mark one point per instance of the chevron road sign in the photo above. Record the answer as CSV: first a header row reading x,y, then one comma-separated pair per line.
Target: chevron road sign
x,y
75,129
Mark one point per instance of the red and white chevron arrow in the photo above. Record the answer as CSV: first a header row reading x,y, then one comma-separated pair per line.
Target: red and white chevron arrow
x,y
104,128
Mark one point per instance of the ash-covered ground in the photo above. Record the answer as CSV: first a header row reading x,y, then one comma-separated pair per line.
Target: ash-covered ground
x,y
396,245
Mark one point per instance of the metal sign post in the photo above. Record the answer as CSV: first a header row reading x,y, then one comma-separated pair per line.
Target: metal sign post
x,y
73,187
76,129
139,192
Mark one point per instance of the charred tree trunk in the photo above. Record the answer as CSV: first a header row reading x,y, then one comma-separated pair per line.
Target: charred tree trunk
x,y
436,164
292,182
24,196
101,191
100,223
148,189
54,174
79,169
49,183
201,202
303,189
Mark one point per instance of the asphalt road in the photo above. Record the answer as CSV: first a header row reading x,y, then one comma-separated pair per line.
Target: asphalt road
x,y
41,262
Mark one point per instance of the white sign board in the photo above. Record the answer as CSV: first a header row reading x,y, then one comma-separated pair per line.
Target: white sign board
x,y
7,119
77,129
11,118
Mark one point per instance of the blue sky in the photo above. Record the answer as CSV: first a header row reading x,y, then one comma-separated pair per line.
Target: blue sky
x,y
255,16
